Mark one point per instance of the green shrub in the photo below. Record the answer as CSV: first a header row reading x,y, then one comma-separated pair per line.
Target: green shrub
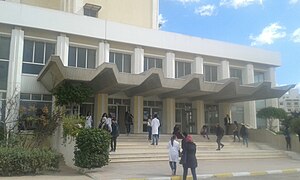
x,y
295,125
92,148
72,125
20,161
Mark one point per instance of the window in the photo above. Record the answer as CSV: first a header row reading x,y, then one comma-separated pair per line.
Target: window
x,y
123,61
210,73
182,69
150,62
4,47
259,76
36,55
82,57
91,10
236,73
30,106
2,106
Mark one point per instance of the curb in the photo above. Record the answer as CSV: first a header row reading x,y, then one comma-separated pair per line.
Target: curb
x,y
223,175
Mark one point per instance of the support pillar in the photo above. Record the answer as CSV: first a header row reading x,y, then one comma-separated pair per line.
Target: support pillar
x,y
137,106
197,65
168,122
224,71
62,48
138,61
200,114
169,65
101,106
103,56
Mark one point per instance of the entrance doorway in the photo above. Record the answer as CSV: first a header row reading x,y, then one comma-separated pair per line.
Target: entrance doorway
x,y
186,118
211,117
151,111
118,112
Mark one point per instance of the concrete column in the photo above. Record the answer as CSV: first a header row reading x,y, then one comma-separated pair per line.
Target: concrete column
x,y
168,121
137,106
62,48
138,61
169,65
101,106
200,119
14,76
197,65
103,53
224,71
249,106
77,6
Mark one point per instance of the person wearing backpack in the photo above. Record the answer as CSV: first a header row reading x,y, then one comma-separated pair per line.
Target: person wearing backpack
x,y
219,134
114,134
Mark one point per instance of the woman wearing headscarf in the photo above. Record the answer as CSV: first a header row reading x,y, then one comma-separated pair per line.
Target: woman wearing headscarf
x,y
189,157
174,148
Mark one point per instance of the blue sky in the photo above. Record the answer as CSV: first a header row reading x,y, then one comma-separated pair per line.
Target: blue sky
x,y
267,24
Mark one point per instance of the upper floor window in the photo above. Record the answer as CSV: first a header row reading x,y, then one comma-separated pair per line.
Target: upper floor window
x,y
123,61
259,76
210,73
35,55
182,69
4,47
150,62
91,10
236,73
82,57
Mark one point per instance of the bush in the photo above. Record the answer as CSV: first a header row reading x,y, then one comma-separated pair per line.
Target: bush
x,y
295,125
20,161
92,148
72,125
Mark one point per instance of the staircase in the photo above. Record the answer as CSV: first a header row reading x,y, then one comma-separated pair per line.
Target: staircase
x,y
136,148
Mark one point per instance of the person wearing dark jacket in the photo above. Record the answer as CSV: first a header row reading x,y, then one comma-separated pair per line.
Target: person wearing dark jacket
x,y
244,135
219,134
188,158
114,134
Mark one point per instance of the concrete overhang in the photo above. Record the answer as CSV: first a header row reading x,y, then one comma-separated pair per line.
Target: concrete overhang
x,y
107,79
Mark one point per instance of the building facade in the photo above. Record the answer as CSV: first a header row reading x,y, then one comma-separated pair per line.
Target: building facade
x,y
118,51
290,101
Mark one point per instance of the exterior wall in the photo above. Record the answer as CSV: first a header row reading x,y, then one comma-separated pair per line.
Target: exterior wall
x,y
290,102
53,4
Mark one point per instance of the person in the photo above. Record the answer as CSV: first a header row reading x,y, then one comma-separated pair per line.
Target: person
x,y
176,132
189,159
219,134
108,123
236,131
149,128
174,149
88,120
287,136
244,135
128,121
204,131
114,134
226,123
154,125
102,121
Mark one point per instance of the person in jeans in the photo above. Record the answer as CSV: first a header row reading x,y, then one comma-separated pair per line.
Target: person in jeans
x,y
149,128
244,135
236,131
114,134
219,134
188,158
155,125
287,136
174,148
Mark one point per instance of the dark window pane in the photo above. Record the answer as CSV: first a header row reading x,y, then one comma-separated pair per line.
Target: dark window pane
x,y
111,57
158,63
127,63
4,47
187,68
28,51
47,97
214,73
3,74
25,96
91,58
72,56
36,97
145,64
39,52
118,61
151,63
50,50
31,68
81,58
180,69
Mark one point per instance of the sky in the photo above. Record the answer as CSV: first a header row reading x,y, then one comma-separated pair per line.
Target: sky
x,y
266,24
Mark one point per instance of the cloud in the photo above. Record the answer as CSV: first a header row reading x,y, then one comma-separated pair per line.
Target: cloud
x,y
239,3
161,20
268,35
293,1
188,1
296,36
206,10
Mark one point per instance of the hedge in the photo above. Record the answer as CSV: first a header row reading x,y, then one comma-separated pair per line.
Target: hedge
x,y
20,161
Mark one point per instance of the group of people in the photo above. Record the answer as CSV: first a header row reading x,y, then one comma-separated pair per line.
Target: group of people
x,y
153,126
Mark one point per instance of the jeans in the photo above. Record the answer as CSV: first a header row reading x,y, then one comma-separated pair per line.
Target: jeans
x,y
236,134
245,141
173,167
219,142
288,143
154,139
149,128
113,143
128,128
193,170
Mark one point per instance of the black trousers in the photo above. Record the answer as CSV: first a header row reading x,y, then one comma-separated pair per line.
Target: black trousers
x,y
113,143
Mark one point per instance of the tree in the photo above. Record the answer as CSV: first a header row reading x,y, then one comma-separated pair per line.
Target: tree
x,y
272,113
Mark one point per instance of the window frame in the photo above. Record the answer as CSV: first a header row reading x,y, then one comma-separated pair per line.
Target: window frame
x,y
184,68
210,66
122,70
155,59
86,61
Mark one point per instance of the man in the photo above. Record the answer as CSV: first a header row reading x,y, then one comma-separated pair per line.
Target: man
x,y
226,123
155,125
219,134
128,121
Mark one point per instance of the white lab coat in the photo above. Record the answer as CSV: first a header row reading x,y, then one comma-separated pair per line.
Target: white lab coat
x,y
155,125
173,151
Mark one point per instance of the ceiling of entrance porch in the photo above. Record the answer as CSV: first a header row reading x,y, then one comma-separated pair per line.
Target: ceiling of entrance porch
x,y
108,80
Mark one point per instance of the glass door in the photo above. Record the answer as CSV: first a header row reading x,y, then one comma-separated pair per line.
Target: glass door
x,y
211,117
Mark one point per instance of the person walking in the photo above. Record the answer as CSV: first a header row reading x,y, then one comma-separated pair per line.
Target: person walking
x,y
174,149
219,134
155,125
102,121
226,123
114,134
188,158
176,132
204,131
236,131
149,128
128,121
244,135
287,136
88,121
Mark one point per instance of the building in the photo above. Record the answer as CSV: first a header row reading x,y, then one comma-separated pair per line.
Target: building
x,y
116,48
290,101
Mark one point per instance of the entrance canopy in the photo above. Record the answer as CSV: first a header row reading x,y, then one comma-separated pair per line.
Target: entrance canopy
x,y
107,79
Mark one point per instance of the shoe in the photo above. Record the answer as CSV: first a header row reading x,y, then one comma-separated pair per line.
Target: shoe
x,y
218,149
222,146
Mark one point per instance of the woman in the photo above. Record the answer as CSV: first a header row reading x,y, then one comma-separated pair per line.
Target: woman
x,y
88,120
174,148
189,157
114,134
102,121
149,128
176,132
244,134
236,131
